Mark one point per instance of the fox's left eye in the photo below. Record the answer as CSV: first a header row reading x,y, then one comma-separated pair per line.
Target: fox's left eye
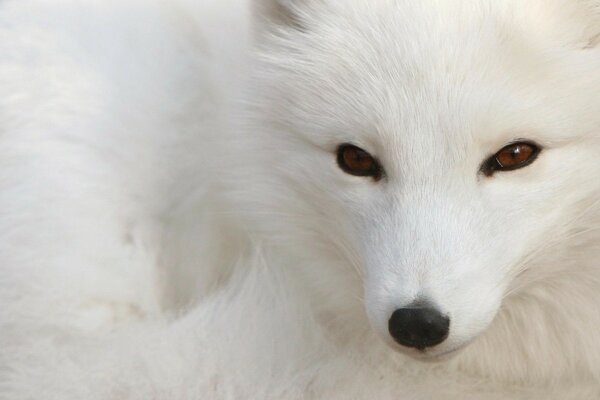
x,y
355,161
514,156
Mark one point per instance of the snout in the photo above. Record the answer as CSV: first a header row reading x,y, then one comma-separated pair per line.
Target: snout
x,y
419,326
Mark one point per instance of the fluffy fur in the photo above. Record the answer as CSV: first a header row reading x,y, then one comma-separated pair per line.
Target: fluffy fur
x,y
174,224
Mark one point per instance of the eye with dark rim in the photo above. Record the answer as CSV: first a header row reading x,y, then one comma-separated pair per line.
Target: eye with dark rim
x,y
355,161
514,156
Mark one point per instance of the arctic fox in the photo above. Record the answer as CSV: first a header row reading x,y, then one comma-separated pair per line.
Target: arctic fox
x,y
299,199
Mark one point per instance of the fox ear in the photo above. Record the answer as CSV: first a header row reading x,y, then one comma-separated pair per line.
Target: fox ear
x,y
269,13
593,42
591,32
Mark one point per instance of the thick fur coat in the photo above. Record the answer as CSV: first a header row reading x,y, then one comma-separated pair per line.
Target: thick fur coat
x,y
174,225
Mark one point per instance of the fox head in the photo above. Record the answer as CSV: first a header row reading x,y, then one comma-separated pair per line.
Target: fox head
x,y
446,151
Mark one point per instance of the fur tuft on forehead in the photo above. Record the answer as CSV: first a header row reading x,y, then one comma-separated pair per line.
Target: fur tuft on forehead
x,y
572,22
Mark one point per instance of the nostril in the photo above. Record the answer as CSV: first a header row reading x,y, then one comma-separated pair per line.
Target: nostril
x,y
419,327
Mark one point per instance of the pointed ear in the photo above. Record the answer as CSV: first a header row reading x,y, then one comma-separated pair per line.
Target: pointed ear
x,y
594,42
572,23
281,13
591,31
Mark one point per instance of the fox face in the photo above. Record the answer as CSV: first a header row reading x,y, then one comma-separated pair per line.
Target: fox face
x,y
447,152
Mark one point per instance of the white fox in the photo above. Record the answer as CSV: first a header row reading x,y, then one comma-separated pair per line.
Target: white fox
x,y
299,199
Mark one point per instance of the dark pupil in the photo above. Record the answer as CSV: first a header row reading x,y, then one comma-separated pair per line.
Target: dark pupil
x,y
358,159
516,152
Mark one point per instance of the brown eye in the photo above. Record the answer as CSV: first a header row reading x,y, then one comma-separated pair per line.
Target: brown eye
x,y
355,161
511,157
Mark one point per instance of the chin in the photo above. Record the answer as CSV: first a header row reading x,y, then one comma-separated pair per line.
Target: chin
x,y
433,355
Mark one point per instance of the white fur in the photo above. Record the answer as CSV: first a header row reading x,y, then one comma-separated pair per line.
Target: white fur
x,y
173,224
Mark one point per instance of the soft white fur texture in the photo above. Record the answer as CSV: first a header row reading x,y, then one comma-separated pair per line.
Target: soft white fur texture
x,y
173,224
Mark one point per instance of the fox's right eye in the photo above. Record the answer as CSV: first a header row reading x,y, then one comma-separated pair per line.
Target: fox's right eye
x,y
356,161
514,156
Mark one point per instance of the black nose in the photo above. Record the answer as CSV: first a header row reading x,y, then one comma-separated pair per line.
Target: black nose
x,y
419,327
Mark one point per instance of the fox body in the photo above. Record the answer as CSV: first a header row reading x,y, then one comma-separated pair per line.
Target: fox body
x,y
300,199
